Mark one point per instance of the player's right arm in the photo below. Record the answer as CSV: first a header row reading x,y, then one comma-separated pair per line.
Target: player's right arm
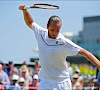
x,y
27,16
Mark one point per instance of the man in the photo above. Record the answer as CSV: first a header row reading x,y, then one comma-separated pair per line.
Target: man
x,y
70,70
53,49
25,63
10,67
75,82
80,78
21,83
3,65
25,74
37,65
36,70
4,80
13,84
35,83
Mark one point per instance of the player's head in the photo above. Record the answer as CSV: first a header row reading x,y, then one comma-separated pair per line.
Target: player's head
x,y
54,24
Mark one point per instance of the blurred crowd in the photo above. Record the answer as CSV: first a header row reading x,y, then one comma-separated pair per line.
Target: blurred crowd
x,y
25,78
79,81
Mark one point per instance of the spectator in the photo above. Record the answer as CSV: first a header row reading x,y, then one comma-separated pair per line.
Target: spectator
x,y
13,71
4,80
37,65
75,82
70,69
95,82
81,78
2,87
25,63
91,85
35,82
3,66
13,84
10,67
29,69
36,70
25,74
21,83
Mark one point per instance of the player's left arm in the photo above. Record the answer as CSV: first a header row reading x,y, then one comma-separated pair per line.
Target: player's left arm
x,y
90,57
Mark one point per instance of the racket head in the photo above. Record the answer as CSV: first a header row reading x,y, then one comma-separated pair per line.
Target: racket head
x,y
45,6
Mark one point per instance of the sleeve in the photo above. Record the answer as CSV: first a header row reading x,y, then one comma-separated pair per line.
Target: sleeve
x,y
7,79
37,29
71,48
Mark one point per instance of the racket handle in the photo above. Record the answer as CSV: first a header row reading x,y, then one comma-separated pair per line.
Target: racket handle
x,y
27,7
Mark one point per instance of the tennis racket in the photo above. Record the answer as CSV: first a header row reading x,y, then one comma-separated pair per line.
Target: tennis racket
x,y
42,6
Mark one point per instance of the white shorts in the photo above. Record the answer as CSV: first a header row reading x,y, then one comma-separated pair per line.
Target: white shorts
x,y
64,85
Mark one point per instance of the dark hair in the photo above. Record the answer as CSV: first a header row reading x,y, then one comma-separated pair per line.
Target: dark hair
x,y
54,18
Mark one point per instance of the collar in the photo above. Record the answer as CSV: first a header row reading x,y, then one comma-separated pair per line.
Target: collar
x,y
52,42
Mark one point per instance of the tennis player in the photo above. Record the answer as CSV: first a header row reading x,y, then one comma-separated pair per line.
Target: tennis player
x,y
53,50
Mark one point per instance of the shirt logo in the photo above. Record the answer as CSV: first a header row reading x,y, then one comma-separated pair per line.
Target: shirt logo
x,y
56,42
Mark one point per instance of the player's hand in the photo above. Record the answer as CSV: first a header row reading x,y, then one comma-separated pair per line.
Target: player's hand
x,y
21,7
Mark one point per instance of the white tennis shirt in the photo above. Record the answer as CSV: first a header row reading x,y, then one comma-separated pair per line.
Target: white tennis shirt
x,y
52,55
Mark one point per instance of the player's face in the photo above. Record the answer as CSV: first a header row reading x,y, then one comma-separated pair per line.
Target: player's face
x,y
54,29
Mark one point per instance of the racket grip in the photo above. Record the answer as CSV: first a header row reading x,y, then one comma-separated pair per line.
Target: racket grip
x,y
27,7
